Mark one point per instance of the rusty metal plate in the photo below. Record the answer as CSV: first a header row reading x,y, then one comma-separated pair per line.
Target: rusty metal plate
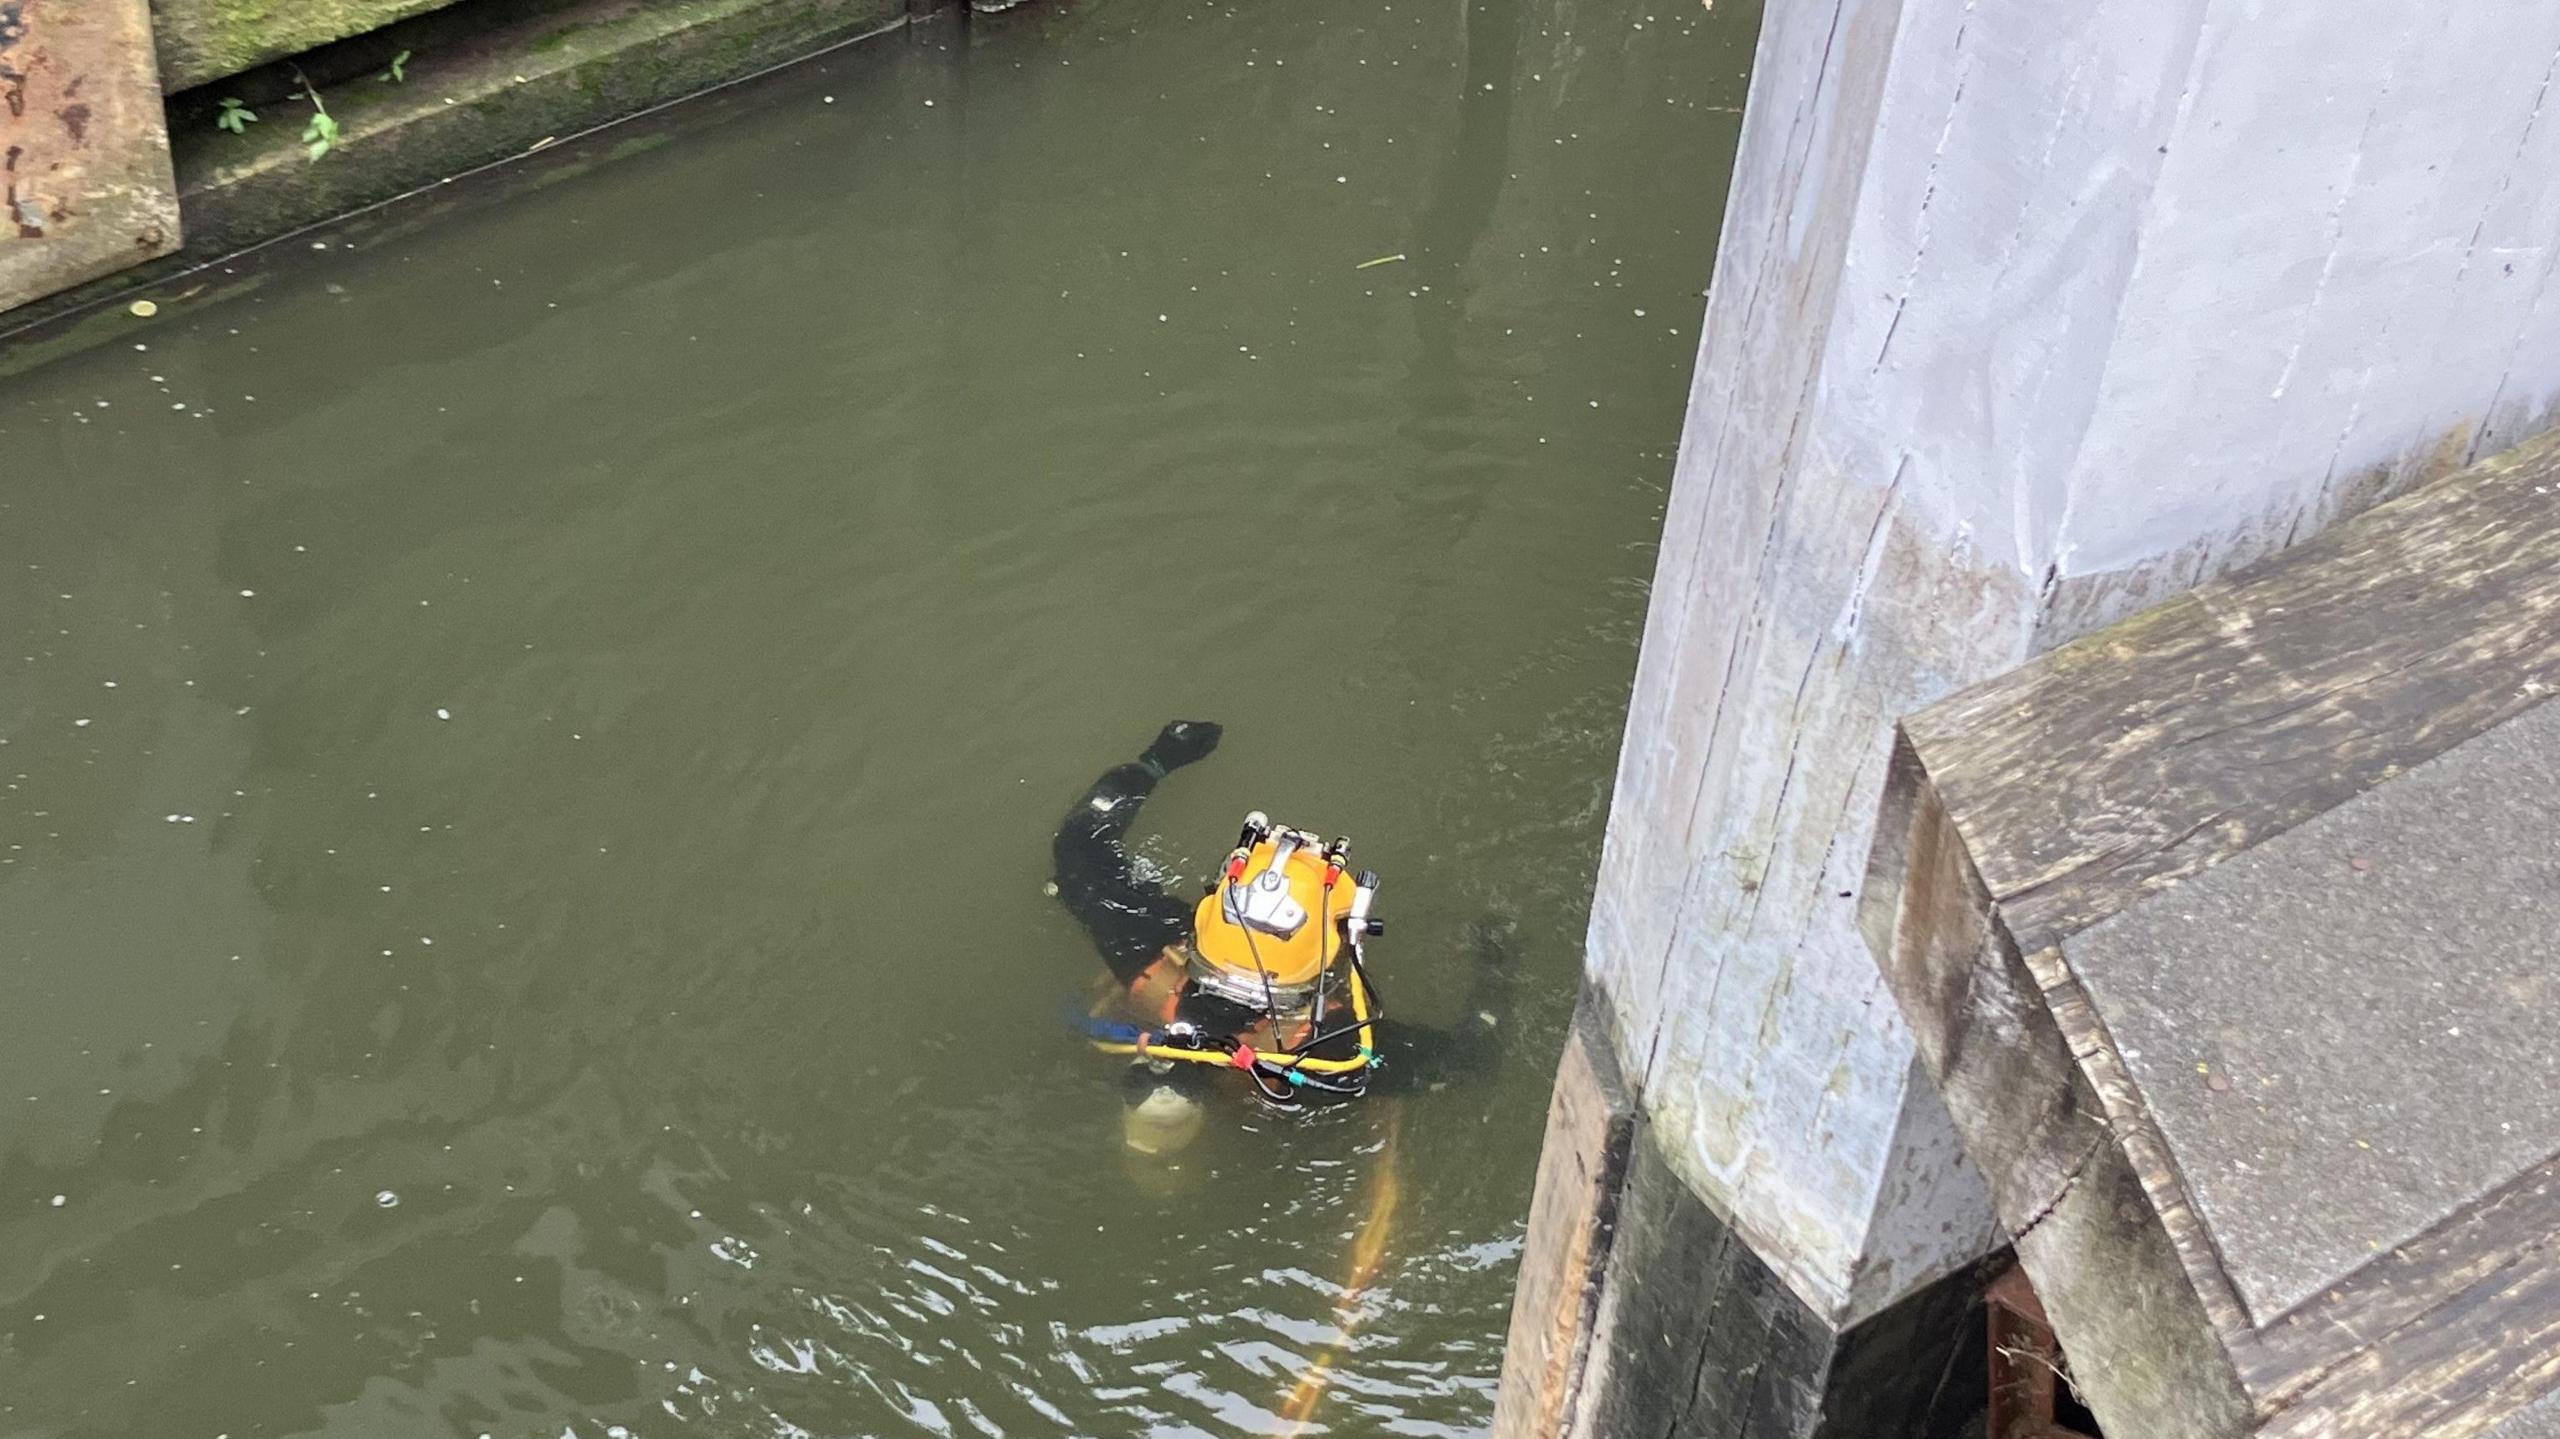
x,y
85,183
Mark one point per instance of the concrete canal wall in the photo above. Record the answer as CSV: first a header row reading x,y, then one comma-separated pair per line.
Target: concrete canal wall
x,y
2024,317
420,90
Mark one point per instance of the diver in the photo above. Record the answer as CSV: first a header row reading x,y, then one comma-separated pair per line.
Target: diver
x,y
1266,974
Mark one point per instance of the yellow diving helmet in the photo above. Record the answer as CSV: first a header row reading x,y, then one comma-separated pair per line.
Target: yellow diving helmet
x,y
1276,919
1266,939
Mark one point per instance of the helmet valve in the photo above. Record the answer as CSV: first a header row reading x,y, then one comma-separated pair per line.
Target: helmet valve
x,y
1358,925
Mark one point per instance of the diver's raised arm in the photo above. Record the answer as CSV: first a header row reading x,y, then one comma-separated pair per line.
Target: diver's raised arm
x,y
1131,921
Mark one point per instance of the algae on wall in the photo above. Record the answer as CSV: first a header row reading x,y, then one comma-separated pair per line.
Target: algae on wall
x,y
201,40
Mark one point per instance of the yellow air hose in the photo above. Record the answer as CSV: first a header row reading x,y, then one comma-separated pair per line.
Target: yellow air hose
x,y
1357,1062
1368,1255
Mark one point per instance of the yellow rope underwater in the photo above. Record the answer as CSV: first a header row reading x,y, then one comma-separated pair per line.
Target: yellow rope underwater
x,y
1368,1255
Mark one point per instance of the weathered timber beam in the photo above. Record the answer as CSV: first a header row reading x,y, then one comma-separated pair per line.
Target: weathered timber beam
x,y
85,182
2290,686
2124,855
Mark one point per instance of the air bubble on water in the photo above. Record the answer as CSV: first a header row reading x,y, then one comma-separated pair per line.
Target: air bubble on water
x,y
79,724
387,1199
444,714
60,1200
247,594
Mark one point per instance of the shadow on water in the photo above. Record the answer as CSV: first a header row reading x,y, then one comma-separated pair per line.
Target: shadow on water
x,y
1465,189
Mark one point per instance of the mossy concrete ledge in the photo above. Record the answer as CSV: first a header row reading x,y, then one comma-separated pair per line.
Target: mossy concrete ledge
x,y
487,93
202,40
482,81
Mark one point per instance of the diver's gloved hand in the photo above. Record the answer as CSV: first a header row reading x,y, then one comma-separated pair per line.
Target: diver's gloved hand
x,y
1180,743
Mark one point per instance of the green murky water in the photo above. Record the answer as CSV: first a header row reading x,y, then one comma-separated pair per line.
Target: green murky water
x,y
528,743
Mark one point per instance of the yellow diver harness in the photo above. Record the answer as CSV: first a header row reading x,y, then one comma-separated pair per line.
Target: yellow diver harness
x,y
1269,927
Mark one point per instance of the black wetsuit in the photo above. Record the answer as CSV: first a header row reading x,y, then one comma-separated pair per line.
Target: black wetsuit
x,y
1133,922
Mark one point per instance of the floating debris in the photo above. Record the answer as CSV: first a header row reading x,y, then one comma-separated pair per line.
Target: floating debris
x,y
1381,260
142,309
